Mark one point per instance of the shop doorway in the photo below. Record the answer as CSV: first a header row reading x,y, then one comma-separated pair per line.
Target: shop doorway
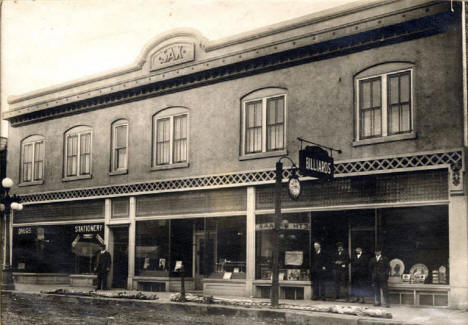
x,y
363,237
120,257
205,257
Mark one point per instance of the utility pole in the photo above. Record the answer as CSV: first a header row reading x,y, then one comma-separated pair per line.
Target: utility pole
x,y
276,230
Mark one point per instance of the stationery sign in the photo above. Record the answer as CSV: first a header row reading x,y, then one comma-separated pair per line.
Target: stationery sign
x,y
315,162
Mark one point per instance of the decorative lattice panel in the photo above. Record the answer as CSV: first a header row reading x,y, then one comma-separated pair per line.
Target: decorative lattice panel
x,y
426,185
452,159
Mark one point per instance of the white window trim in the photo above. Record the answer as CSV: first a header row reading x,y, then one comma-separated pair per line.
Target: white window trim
x,y
171,163
114,170
385,137
264,152
78,131
36,139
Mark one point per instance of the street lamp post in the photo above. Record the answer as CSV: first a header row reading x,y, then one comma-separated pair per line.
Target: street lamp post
x,y
7,205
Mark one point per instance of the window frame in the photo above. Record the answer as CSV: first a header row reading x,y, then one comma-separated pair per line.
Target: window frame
x,y
32,141
78,131
171,114
386,135
114,170
264,152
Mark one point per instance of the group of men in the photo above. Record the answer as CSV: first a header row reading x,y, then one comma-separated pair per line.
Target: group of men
x,y
363,268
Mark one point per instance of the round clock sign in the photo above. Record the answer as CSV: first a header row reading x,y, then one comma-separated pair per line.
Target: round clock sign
x,y
294,187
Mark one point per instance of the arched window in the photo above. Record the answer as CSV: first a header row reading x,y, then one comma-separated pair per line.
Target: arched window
x,y
264,122
384,102
32,160
78,151
119,154
171,138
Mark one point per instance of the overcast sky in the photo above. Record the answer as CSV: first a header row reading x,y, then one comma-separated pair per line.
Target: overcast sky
x,y
47,42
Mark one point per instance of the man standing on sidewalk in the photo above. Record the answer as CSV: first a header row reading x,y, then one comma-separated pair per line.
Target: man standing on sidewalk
x,y
379,269
359,275
340,271
318,269
103,263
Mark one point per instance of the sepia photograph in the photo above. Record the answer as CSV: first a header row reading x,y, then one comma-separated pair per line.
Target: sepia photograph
x,y
262,162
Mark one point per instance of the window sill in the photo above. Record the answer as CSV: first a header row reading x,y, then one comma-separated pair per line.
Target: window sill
x,y
75,178
264,154
171,166
118,172
31,183
390,138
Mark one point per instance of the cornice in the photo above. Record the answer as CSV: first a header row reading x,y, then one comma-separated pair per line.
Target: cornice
x,y
307,48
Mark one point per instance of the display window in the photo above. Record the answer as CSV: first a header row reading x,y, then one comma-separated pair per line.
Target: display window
x,y
416,241
57,249
152,248
294,247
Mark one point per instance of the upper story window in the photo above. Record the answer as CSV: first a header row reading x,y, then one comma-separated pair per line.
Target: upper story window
x,y
264,123
170,143
32,160
78,151
385,106
119,142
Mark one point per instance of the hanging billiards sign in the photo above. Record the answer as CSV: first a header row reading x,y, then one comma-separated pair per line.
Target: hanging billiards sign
x,y
315,162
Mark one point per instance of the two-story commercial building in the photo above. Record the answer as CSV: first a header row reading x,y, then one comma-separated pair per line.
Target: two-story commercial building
x,y
173,158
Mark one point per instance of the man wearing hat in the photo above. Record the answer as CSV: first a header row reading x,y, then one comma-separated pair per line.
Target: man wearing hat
x,y
318,269
102,267
359,275
379,269
340,270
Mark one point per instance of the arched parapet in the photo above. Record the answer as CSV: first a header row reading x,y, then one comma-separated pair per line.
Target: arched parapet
x,y
172,48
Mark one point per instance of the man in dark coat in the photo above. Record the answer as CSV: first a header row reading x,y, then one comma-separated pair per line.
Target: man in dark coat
x,y
379,269
102,267
359,275
340,263
318,269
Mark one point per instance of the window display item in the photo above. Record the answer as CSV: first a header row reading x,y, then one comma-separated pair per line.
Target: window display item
x,y
442,275
435,277
227,275
281,276
397,267
419,273
293,258
406,277
293,274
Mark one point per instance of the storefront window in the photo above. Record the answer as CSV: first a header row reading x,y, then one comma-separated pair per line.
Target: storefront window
x,y
294,247
56,249
152,248
419,238
181,245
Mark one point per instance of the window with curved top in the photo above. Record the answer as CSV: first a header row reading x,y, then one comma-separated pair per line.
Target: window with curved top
x,y
385,106
32,160
119,142
78,151
264,123
170,138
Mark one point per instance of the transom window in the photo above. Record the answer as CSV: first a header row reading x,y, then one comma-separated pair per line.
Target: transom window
x,y
32,160
119,146
170,137
264,122
78,152
385,104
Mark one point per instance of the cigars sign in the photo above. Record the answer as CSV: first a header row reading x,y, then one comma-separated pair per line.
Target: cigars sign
x,y
173,54
315,162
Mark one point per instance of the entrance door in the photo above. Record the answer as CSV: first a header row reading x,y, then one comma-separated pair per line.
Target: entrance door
x,y
205,257
364,238
120,257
